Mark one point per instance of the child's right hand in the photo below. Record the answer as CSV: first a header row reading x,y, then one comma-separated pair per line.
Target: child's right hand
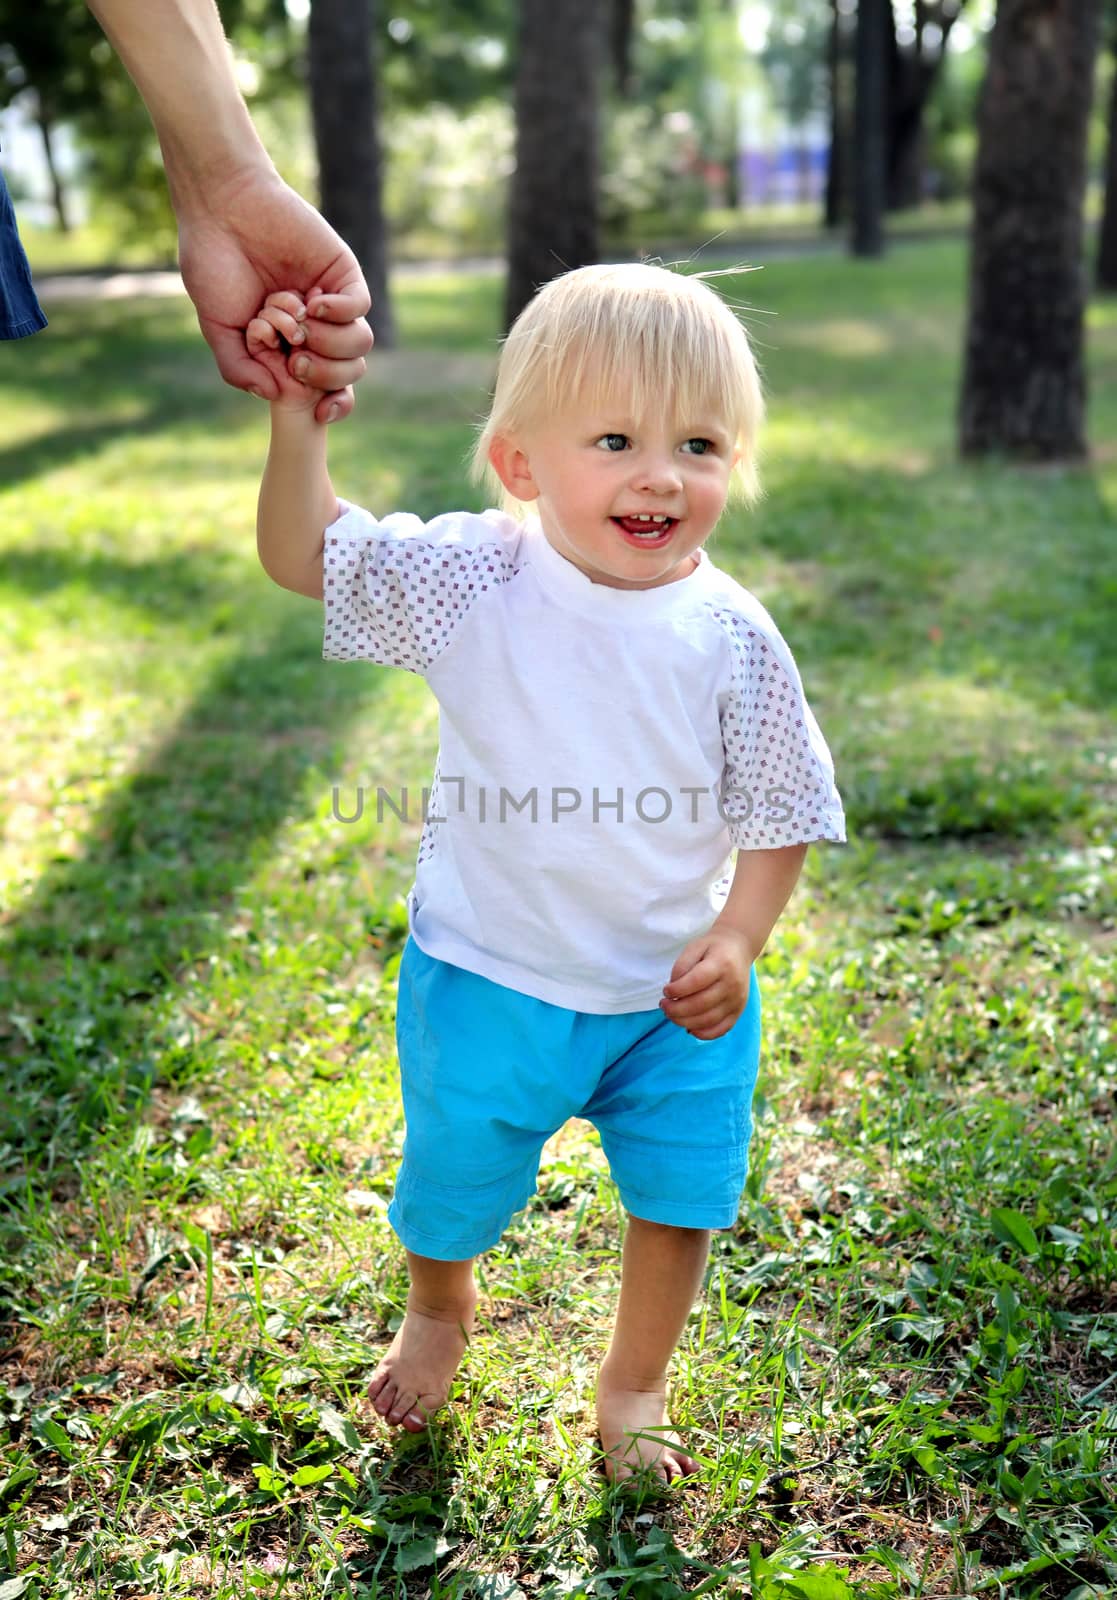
x,y
274,332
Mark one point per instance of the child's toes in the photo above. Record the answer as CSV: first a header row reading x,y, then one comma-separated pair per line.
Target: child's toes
x,y
384,1397
679,1465
402,1407
415,1420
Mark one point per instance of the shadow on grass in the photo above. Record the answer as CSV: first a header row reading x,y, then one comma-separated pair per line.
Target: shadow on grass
x,y
66,444
164,587
107,375
88,955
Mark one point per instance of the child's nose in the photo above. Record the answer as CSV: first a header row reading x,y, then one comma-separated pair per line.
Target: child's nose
x,y
658,473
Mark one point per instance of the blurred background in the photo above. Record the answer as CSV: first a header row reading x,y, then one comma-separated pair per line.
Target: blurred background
x,y
715,115
714,119
200,1112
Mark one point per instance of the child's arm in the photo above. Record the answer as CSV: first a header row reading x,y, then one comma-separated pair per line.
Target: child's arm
x,y
297,501
709,984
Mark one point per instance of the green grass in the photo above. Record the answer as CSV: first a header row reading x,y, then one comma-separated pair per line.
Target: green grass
x,y
901,1373
88,247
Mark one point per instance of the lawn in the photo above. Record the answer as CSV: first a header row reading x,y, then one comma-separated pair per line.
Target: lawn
x,y
902,1375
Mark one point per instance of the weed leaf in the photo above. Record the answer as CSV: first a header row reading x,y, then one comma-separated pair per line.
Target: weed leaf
x,y
1012,1227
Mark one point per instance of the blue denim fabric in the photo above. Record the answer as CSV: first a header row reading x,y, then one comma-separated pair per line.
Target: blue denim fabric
x,y
20,312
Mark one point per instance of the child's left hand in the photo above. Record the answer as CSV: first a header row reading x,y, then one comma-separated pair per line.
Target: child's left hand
x,y
273,334
275,337
709,984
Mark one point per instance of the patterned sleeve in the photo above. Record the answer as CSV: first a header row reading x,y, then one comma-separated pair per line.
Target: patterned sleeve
x,y
397,589
778,786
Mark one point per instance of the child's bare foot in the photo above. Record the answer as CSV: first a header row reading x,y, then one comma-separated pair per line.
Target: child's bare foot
x,y
636,1433
413,1379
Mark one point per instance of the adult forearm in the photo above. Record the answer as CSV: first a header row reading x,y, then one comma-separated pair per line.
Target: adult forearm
x,y
297,503
176,54
763,881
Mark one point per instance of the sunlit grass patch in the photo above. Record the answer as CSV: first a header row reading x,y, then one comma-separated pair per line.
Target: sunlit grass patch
x,y
899,1378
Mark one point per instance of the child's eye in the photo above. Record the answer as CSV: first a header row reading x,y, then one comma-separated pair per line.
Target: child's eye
x,y
614,442
699,447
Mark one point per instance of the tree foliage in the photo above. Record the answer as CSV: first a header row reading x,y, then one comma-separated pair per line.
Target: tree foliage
x,y
47,48
455,55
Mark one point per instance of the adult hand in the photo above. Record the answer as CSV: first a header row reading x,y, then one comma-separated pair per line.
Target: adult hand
x,y
252,235
709,984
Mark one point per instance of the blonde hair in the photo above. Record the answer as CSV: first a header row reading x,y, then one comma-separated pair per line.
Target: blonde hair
x,y
662,335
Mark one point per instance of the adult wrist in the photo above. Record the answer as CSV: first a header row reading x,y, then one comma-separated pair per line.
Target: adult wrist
x,y
212,183
176,53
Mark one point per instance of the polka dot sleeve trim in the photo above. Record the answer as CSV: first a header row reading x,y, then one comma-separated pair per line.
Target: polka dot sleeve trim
x,y
778,785
397,590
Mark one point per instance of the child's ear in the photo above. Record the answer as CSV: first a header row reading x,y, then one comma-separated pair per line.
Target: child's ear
x,y
512,467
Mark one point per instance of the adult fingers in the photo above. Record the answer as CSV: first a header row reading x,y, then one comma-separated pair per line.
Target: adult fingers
x,y
235,364
338,341
333,407
341,293
326,375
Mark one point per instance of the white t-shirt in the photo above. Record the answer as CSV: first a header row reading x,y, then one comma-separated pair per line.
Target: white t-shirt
x,y
602,750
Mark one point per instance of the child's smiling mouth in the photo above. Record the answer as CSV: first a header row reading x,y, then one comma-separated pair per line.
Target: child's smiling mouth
x,y
646,529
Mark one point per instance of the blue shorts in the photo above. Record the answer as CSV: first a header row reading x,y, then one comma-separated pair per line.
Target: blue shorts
x,y
489,1074
20,312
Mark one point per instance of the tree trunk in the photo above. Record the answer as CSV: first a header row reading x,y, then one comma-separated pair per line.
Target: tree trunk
x,y
1024,383
1107,241
344,106
46,125
906,164
913,70
841,74
733,155
910,80
622,20
552,217
869,140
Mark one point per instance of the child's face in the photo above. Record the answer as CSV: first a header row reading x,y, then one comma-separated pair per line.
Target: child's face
x,y
596,476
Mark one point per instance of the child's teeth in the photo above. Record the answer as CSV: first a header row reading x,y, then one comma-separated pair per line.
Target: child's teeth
x,y
650,523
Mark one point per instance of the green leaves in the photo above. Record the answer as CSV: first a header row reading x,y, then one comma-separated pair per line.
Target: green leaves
x,y
339,1428
1013,1228
422,1552
48,1432
771,1580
